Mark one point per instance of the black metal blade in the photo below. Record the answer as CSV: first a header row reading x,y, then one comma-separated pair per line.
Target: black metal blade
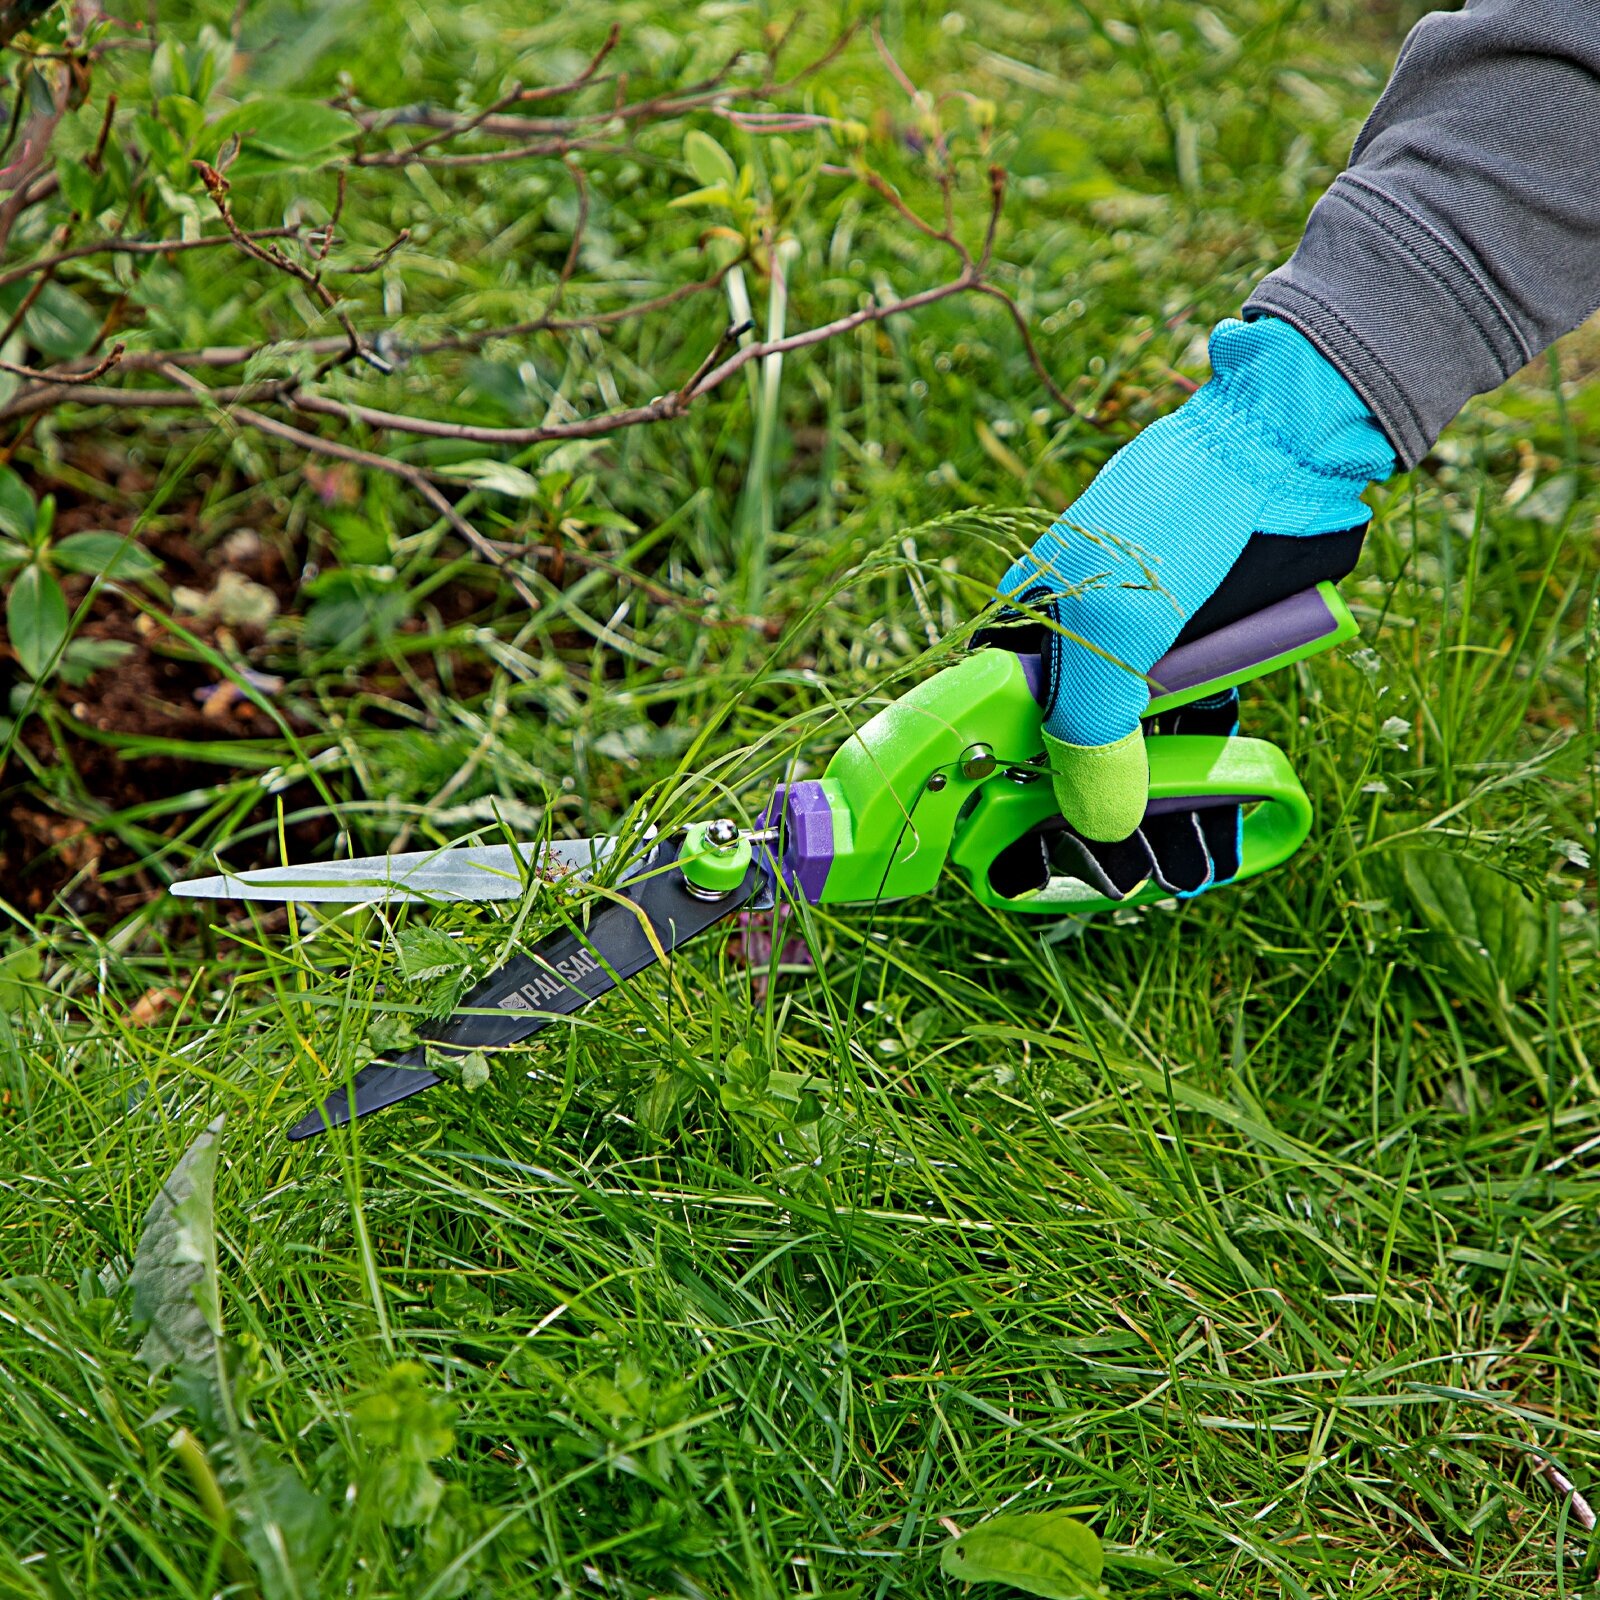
x,y
562,976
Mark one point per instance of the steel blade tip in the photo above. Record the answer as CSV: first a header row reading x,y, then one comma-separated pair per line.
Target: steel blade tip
x,y
213,888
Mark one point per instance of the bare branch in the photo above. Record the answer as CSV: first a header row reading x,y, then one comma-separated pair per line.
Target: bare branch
x,y
997,191
269,254
95,160
14,321
944,170
730,335
945,235
660,409
56,375
134,247
709,376
817,63
596,61
1582,1511
407,473
238,355
452,127
278,385
709,92
1035,360
570,265
558,146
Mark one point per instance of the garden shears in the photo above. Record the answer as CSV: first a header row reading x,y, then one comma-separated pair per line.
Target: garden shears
x,y
951,774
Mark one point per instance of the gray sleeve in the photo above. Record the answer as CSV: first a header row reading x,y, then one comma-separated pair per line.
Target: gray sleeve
x,y
1465,235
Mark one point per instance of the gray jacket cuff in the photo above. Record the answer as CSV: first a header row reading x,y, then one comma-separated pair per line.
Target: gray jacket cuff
x,y
1407,320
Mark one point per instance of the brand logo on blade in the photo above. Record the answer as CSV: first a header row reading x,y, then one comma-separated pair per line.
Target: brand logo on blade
x,y
556,984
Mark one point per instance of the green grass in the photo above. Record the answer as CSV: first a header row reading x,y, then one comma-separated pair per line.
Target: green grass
x,y
1262,1230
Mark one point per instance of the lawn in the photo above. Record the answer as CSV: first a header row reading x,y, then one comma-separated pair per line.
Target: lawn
x,y
1256,1232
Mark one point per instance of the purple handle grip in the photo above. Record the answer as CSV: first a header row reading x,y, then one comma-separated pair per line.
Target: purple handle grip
x,y
1276,630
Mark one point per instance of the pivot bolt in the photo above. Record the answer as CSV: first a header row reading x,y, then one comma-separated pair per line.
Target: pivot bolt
x,y
714,859
977,761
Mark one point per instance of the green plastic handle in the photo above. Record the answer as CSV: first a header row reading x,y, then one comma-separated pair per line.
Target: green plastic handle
x,y
952,771
1277,817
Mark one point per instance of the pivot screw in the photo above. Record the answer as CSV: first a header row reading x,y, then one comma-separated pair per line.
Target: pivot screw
x,y
722,835
714,859
937,782
977,761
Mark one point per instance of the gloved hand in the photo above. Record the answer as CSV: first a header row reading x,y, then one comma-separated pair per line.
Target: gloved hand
x,y
1277,444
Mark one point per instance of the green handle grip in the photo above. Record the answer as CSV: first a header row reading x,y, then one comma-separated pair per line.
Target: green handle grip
x,y
1197,767
951,771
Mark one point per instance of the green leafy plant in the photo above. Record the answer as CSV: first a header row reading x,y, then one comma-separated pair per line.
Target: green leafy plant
x,y
273,1530
1046,1553
1486,928
31,561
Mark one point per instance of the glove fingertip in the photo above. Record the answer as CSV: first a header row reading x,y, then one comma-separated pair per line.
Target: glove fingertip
x,y
1102,789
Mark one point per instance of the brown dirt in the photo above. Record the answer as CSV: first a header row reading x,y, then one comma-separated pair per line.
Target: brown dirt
x,y
162,690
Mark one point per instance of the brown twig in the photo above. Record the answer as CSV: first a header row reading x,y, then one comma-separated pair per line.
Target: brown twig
x,y
14,321
944,170
455,127
69,379
380,260
708,92
1583,1513
134,247
570,265
95,160
330,230
1035,360
238,355
596,61
558,146
943,235
817,63
216,185
997,184
730,335
413,476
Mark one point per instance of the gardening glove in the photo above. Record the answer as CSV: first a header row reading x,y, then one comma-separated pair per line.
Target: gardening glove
x,y
1186,852
1277,444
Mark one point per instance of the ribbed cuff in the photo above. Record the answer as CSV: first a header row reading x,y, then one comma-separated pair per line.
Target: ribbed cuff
x,y
1404,316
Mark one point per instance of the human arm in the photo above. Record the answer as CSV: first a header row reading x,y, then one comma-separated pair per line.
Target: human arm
x,y
1463,238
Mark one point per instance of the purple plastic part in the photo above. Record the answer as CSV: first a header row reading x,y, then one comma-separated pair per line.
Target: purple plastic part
x,y
1167,804
804,819
1033,671
1273,631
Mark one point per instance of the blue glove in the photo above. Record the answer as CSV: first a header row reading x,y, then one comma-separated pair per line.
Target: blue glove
x,y
1277,443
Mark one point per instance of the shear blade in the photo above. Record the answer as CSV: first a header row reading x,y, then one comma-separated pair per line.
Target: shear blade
x,y
653,915
466,872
